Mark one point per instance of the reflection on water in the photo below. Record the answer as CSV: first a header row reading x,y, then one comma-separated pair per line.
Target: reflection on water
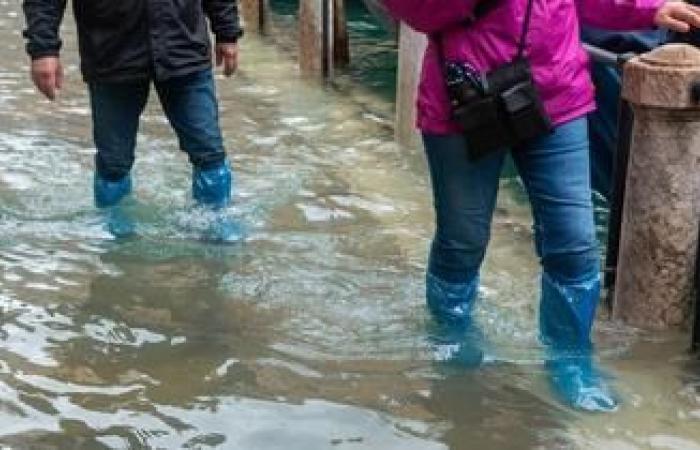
x,y
310,335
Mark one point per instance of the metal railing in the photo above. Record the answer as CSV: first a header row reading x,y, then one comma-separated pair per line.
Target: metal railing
x,y
619,176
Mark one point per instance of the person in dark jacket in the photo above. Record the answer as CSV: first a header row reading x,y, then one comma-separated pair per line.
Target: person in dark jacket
x,y
125,47
603,122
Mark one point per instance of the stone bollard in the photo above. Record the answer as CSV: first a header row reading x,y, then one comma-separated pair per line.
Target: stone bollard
x,y
659,239
411,49
695,345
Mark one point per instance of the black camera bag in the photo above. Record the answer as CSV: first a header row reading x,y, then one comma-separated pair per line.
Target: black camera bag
x,y
508,112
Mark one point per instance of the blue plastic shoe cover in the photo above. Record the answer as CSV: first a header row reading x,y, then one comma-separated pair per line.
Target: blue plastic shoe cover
x,y
566,318
109,193
212,187
453,334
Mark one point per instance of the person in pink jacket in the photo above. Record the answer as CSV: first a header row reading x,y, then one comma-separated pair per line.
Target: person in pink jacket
x,y
554,167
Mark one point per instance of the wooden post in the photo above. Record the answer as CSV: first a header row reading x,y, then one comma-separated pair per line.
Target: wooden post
x,y
659,238
341,46
323,38
254,13
411,49
311,37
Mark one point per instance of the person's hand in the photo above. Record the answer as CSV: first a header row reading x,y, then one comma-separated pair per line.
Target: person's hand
x,y
47,74
227,55
678,16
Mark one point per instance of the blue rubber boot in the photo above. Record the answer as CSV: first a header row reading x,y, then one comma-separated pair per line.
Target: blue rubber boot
x,y
566,318
212,188
453,333
108,196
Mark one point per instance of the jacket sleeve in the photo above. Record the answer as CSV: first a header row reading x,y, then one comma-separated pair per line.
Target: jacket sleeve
x,y
224,20
43,19
618,15
430,16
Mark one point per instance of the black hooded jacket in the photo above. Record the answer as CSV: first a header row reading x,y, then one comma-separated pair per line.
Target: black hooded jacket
x,y
128,40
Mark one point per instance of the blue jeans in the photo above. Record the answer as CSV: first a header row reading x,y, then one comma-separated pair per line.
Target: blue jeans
x,y
555,172
189,103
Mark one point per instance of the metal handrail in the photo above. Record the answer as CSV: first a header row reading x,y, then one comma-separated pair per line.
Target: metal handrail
x,y
607,57
617,194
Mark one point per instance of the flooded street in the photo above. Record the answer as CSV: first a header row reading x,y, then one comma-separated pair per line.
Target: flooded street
x,y
311,333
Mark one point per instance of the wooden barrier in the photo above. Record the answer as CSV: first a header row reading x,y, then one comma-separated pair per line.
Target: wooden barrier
x,y
341,40
254,14
323,37
411,49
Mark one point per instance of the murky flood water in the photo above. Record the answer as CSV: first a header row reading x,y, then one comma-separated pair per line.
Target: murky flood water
x,y
308,335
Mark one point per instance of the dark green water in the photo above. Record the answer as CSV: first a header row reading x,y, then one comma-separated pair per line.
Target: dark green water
x,y
373,47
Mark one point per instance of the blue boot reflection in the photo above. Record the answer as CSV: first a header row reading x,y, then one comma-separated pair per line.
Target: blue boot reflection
x,y
211,188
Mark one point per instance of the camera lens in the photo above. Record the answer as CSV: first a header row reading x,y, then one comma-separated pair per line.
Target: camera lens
x,y
455,74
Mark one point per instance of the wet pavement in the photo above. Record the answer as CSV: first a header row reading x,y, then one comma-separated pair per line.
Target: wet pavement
x,y
311,333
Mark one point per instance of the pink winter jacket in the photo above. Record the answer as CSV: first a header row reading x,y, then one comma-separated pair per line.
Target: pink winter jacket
x,y
559,63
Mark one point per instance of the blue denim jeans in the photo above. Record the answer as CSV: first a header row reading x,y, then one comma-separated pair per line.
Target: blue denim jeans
x,y
555,172
189,103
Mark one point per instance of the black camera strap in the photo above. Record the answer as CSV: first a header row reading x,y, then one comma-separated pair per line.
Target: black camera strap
x,y
500,108
483,8
522,45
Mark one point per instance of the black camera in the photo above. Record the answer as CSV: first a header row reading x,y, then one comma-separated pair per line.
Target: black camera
x,y
497,110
